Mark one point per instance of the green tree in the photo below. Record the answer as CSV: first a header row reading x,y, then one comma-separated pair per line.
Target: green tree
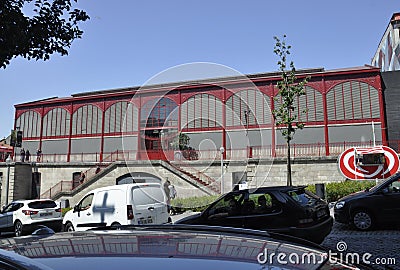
x,y
290,89
51,28
181,142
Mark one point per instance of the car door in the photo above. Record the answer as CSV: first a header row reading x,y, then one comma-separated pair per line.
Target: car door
x,y
267,213
6,216
83,214
149,205
226,211
389,202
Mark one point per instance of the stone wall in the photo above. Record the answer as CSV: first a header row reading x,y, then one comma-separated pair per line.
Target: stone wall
x,y
257,172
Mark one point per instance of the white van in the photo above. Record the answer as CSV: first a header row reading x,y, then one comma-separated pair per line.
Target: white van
x,y
126,204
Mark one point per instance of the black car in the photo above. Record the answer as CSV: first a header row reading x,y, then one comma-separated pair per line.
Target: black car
x,y
367,209
162,247
286,210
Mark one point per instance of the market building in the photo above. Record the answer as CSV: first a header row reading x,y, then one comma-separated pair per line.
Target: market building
x,y
206,135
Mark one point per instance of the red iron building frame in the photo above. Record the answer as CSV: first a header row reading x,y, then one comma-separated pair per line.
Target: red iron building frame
x,y
337,98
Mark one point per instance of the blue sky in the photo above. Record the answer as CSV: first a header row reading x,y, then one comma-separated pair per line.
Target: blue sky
x,y
127,42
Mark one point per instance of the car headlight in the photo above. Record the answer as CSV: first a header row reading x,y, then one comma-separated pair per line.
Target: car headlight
x,y
339,205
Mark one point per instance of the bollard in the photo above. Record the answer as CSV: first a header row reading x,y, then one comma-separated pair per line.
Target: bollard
x,y
320,190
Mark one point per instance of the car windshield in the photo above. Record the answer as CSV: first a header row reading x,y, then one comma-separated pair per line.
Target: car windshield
x,y
42,204
383,183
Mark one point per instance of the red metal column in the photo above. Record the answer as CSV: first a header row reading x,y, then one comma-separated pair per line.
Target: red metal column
x,y
325,112
41,128
70,132
103,116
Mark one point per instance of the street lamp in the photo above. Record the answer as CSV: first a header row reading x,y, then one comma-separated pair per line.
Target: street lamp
x,y
222,150
246,118
8,163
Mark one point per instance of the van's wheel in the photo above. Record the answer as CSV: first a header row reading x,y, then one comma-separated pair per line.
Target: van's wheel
x,y
18,228
362,220
115,225
69,227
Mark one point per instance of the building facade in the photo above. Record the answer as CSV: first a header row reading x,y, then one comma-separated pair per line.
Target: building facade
x,y
202,120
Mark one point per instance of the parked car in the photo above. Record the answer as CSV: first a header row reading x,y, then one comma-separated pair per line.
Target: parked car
x,y
24,216
379,205
126,204
163,247
287,210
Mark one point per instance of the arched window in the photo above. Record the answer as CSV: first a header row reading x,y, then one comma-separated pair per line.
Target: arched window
x,y
201,111
309,107
248,107
121,117
159,113
352,100
87,120
56,123
30,124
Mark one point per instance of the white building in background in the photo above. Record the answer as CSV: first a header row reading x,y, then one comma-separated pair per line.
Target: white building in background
x,y
387,57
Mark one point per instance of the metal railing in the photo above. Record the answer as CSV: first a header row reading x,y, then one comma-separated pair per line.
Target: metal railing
x,y
57,188
265,151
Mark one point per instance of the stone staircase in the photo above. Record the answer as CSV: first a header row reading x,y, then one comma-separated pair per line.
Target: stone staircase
x,y
199,177
65,189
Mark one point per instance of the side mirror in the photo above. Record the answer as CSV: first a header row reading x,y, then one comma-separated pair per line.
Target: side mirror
x,y
76,208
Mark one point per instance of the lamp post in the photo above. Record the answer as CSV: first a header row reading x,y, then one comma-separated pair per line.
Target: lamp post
x,y
222,150
8,163
246,118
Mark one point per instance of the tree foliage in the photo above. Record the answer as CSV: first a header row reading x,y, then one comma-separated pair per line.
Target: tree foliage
x,y
290,89
51,28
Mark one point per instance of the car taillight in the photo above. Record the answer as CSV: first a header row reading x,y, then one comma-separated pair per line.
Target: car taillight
x,y
29,212
130,212
58,210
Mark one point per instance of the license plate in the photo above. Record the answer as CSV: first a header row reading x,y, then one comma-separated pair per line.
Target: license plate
x,y
45,214
145,221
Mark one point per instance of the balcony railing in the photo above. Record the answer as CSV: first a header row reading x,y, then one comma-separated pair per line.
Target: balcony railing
x,y
297,150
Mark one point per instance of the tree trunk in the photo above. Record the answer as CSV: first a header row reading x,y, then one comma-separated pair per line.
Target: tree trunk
x,y
289,165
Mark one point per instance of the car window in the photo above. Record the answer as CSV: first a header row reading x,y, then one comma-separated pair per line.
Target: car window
x,y
227,206
394,186
147,195
13,207
86,202
265,203
302,197
42,204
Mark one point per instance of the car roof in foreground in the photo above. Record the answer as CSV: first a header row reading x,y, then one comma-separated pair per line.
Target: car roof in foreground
x,y
173,247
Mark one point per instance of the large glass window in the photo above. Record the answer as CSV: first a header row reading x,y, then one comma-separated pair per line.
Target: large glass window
x,y
121,117
308,107
30,124
201,111
159,113
56,123
352,100
248,108
87,120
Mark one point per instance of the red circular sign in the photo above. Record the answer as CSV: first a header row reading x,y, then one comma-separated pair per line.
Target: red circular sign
x,y
356,163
